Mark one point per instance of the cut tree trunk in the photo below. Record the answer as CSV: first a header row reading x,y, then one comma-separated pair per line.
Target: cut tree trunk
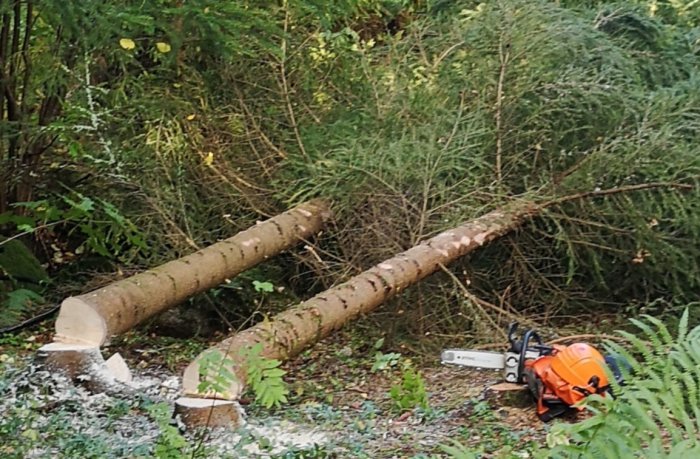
x,y
94,317
291,331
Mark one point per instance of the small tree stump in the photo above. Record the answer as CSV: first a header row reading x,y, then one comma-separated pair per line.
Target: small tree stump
x,y
72,360
85,364
208,412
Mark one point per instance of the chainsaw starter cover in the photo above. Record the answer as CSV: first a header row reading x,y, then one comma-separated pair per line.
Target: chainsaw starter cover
x,y
582,366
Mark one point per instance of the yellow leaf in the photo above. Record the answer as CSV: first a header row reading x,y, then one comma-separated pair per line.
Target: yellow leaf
x,y
209,159
163,47
190,117
127,43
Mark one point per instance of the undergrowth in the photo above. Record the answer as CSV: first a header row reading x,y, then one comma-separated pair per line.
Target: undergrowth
x,y
655,414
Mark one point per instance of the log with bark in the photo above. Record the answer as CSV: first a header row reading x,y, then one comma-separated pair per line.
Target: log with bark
x,y
94,317
291,331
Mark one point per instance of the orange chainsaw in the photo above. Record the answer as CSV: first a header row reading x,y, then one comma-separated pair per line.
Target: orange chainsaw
x,y
558,376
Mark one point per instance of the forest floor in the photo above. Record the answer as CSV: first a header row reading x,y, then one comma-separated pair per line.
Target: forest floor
x,y
339,406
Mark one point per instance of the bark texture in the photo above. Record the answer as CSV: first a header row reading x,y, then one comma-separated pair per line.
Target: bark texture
x,y
211,413
290,332
94,317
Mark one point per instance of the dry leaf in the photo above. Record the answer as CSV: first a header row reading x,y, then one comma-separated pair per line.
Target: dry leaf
x,y
506,386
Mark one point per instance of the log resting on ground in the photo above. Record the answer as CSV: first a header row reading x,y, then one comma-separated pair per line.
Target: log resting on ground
x,y
93,318
291,331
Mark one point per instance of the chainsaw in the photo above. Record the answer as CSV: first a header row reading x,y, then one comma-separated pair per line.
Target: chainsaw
x,y
558,376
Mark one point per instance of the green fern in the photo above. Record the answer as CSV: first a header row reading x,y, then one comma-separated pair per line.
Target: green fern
x,y
656,413
265,378
214,372
410,393
263,375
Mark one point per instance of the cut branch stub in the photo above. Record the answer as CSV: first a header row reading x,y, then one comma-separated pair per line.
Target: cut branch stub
x,y
291,331
94,317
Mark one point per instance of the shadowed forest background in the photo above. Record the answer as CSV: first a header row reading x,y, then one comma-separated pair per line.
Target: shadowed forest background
x,y
134,134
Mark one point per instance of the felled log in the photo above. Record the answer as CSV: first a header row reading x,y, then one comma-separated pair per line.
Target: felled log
x,y
94,317
289,332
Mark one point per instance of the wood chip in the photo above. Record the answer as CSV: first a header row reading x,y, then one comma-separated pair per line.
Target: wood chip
x,y
506,386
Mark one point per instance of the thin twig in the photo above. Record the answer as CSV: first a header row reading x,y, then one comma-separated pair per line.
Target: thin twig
x,y
24,233
503,58
285,85
588,336
617,190
478,301
31,321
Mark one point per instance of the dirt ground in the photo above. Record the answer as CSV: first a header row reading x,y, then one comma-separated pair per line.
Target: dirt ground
x,y
338,405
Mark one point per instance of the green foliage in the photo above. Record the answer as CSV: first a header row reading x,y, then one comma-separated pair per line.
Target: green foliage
x,y
179,124
265,378
458,451
595,98
18,263
263,375
170,443
385,361
215,372
655,413
316,452
22,281
17,302
263,287
410,392
97,224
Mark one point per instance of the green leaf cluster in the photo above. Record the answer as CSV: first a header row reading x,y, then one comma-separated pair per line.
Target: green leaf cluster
x,y
170,443
384,361
215,372
97,224
410,393
263,375
265,378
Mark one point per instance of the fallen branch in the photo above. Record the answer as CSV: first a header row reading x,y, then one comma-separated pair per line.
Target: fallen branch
x,y
617,190
31,321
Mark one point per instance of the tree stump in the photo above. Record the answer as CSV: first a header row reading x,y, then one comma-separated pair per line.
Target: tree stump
x,y
85,364
208,412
